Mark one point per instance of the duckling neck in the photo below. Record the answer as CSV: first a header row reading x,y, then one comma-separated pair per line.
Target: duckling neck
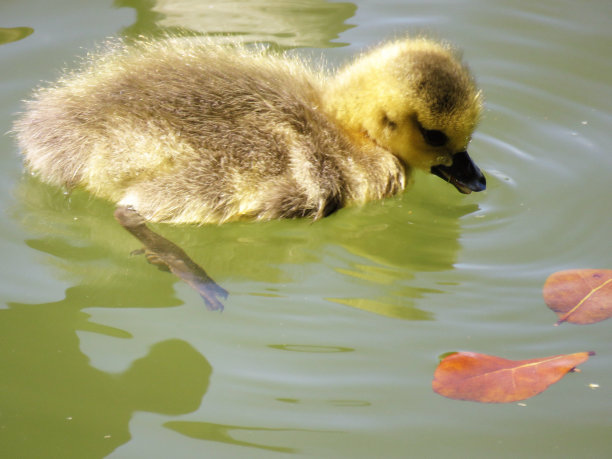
x,y
373,171
352,98
347,98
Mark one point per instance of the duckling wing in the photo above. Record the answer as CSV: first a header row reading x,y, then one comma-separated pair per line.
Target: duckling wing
x,y
238,138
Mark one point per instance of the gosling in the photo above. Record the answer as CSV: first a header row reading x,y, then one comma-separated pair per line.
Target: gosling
x,y
184,130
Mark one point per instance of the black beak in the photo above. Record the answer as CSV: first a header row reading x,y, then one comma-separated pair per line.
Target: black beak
x,y
463,174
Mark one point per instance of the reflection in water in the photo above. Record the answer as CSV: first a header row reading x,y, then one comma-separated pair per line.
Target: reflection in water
x,y
221,433
11,34
428,241
59,396
84,409
397,308
310,348
287,23
54,403
77,231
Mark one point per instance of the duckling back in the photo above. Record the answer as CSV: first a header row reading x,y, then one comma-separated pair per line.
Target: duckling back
x,y
184,130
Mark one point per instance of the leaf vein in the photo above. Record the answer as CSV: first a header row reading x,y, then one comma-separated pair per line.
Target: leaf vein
x,y
586,297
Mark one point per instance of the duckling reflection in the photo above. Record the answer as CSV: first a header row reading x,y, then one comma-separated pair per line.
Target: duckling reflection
x,y
318,24
188,131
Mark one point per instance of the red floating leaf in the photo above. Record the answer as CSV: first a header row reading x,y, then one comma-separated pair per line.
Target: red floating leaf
x,y
580,296
490,379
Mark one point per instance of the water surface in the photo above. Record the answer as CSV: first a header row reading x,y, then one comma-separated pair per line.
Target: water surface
x,y
332,331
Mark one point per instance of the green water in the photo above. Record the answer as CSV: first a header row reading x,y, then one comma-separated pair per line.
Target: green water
x,y
332,330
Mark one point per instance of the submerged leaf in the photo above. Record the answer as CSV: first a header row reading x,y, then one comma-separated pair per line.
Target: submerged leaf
x,y
490,379
580,296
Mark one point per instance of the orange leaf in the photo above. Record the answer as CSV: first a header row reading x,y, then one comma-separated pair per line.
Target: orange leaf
x,y
490,379
580,296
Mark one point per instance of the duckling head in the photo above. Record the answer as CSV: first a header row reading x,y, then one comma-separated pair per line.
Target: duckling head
x,y
417,100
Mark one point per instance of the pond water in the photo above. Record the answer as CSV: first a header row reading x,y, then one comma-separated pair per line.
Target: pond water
x,y
332,330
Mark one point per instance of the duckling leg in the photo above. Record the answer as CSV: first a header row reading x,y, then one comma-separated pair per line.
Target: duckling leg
x,y
162,252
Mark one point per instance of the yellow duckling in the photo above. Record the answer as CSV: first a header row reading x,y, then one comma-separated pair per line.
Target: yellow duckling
x,y
188,131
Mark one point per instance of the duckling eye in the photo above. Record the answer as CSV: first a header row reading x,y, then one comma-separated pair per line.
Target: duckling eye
x,y
433,137
388,123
